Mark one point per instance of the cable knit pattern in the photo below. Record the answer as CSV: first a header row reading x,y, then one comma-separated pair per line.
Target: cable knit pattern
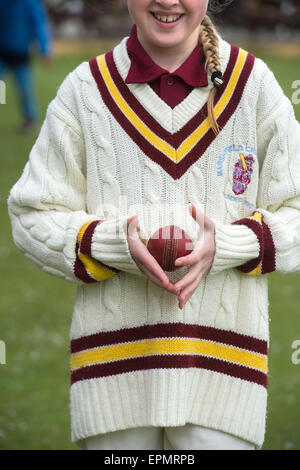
x,y
108,151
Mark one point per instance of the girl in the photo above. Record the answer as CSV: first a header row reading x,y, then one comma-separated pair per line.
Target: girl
x,y
173,117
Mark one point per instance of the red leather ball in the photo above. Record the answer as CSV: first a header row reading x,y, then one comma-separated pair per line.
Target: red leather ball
x,y
167,244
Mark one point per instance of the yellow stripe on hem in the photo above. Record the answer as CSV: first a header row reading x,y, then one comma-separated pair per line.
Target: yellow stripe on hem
x,y
169,346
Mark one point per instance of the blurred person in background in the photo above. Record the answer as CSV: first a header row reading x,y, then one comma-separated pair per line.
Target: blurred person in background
x,y
23,24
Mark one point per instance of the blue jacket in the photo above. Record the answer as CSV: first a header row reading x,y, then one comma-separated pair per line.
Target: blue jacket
x,y
23,23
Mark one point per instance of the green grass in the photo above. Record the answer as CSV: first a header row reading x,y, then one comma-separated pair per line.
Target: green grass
x,y
36,310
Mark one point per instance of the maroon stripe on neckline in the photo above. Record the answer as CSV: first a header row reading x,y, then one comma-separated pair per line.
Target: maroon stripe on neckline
x,y
133,102
170,330
174,361
196,121
202,145
156,155
177,138
175,170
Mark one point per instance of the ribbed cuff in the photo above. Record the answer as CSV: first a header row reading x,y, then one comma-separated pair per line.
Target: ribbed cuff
x,y
109,245
235,246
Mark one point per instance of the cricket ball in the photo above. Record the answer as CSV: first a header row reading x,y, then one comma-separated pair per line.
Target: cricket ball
x,y
167,244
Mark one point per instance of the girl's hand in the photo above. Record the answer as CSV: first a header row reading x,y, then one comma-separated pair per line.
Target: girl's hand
x,y
144,260
200,259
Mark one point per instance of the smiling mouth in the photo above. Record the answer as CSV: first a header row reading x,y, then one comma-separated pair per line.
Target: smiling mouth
x,y
166,18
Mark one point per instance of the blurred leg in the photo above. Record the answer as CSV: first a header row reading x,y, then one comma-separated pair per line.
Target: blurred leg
x,y
143,438
25,84
193,437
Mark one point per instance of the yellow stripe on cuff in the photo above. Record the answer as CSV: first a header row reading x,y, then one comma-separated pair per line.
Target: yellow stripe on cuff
x,y
93,267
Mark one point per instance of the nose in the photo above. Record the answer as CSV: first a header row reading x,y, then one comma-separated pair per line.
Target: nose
x,y
166,4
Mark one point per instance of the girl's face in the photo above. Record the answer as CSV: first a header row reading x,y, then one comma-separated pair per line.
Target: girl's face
x,y
155,32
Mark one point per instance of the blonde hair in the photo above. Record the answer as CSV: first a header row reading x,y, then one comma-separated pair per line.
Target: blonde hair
x,y
210,45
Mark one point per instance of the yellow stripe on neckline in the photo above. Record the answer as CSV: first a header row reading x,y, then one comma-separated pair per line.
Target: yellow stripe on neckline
x,y
159,143
191,141
156,141
169,346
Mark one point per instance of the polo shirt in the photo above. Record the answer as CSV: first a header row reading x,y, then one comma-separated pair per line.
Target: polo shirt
x,y
171,87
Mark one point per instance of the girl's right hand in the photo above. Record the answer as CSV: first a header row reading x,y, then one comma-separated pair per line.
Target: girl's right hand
x,y
144,260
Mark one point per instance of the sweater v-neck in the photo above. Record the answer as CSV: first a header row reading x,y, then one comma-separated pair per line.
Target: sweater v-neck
x,y
173,138
172,119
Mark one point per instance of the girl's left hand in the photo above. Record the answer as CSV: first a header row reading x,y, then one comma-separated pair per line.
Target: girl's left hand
x,y
200,259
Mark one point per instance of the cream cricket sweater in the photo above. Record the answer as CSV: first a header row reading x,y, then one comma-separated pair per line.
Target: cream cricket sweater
x,y
107,151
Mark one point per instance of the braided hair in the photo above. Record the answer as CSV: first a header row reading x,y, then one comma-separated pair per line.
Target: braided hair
x,y
210,44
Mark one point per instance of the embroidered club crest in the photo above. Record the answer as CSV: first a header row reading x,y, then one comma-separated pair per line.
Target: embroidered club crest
x,y
242,173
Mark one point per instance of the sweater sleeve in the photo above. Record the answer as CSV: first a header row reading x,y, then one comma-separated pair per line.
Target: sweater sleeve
x,y
271,234
47,206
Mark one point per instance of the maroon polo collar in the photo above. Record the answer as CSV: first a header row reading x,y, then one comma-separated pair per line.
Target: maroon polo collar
x,y
144,70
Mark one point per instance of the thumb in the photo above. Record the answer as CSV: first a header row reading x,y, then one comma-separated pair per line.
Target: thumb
x,y
132,223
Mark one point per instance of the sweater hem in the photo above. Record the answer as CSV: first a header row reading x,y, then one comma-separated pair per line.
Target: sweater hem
x,y
211,399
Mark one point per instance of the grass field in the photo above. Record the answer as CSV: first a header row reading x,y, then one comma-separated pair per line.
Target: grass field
x,y
36,309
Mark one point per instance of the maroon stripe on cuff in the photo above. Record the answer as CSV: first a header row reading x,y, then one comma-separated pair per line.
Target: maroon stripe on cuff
x,y
86,245
86,241
256,227
170,330
269,257
174,361
80,271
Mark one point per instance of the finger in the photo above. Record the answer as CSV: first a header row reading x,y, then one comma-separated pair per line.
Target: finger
x,y
131,227
161,281
189,278
197,215
187,293
189,260
155,272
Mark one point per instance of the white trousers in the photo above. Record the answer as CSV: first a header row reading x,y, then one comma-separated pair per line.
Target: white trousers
x,y
188,437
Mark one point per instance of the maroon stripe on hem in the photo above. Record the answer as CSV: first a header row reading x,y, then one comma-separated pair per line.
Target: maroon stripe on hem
x,y
170,330
174,361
